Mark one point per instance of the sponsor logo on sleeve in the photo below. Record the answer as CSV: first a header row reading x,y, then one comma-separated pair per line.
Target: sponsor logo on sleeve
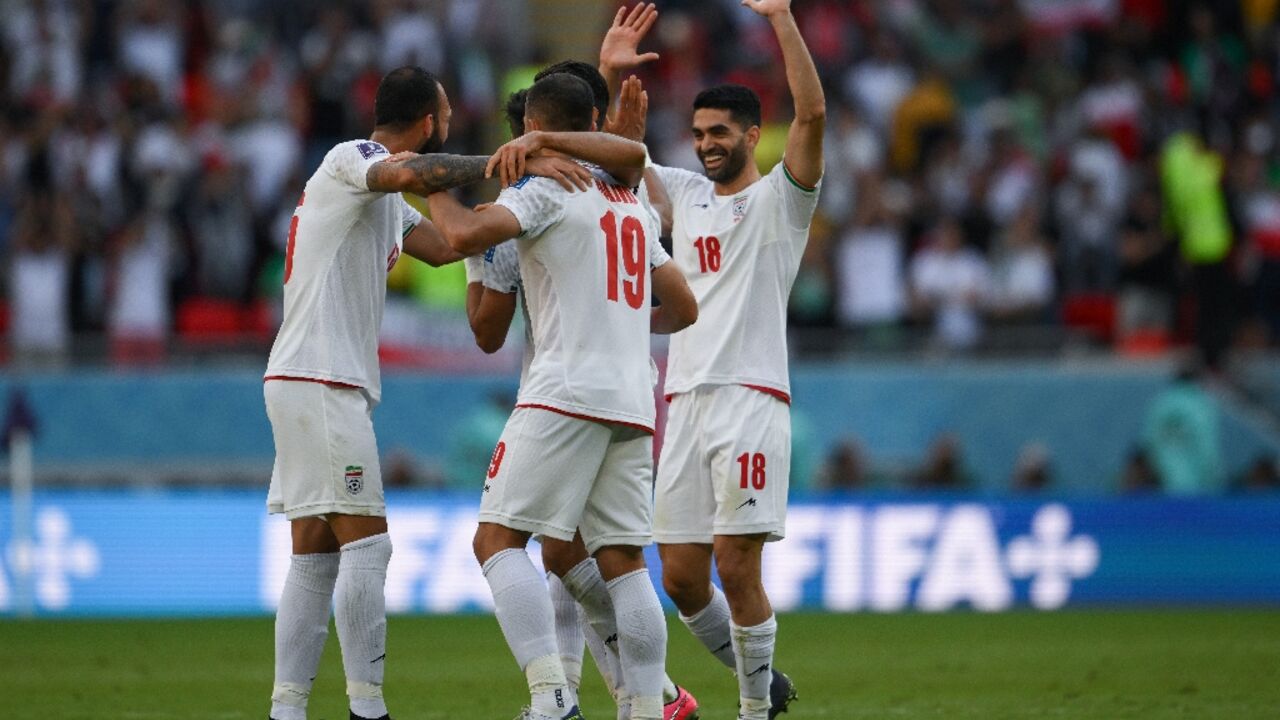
x,y
370,148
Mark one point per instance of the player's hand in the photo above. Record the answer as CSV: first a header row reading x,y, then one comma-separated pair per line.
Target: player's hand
x,y
509,160
633,110
618,51
768,8
568,173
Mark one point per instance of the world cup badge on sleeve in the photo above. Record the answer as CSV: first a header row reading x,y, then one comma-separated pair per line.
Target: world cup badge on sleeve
x,y
355,479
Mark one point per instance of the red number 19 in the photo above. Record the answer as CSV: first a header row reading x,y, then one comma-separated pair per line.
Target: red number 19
x,y
633,258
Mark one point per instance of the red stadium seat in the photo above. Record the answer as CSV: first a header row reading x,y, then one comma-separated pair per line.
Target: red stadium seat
x,y
209,320
1093,313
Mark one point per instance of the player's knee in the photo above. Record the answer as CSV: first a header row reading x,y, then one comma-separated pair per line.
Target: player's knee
x,y
686,590
561,557
739,576
491,539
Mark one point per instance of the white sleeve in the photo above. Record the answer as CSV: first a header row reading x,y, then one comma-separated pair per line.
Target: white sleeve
x,y
537,203
657,254
798,201
350,161
409,217
502,268
677,182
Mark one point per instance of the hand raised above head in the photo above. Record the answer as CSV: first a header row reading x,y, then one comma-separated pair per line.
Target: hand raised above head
x,y
629,120
619,51
768,8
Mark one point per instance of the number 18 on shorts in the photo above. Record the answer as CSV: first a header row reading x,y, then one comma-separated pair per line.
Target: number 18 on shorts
x,y
725,466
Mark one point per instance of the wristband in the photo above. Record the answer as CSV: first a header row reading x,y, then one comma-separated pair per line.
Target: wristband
x,y
475,268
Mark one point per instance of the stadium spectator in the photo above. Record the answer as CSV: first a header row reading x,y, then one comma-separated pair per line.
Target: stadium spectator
x,y
1033,471
949,282
845,468
1139,476
943,468
1182,437
966,110
1263,476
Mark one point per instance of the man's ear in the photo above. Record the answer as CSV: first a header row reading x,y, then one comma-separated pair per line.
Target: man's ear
x,y
428,125
531,123
753,136
595,119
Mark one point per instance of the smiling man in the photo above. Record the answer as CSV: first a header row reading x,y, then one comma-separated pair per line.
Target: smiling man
x,y
723,474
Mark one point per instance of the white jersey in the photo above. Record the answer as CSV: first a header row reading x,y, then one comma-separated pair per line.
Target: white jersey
x,y
584,262
343,241
740,254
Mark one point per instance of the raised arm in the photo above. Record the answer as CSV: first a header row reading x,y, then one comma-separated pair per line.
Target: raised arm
x,y
804,139
619,51
467,231
679,308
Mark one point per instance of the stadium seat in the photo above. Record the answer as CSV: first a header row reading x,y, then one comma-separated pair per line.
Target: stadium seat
x,y
1092,313
208,320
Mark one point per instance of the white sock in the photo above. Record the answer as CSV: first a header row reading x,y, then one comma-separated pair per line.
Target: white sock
x,y
569,637
669,690
753,651
586,585
604,657
711,626
642,641
302,626
360,612
524,612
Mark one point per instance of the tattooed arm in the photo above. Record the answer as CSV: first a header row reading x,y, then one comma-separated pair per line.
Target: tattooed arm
x,y
436,172
425,174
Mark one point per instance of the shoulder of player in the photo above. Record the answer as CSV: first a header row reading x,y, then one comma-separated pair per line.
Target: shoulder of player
x,y
365,149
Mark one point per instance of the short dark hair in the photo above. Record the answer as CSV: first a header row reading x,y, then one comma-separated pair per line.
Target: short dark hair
x,y
514,111
741,101
587,73
561,101
405,96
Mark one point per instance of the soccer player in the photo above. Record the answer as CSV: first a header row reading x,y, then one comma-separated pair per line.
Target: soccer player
x,y
322,380
494,285
723,472
577,451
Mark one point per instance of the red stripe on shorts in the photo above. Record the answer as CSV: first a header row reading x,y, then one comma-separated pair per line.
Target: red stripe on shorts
x,y
576,416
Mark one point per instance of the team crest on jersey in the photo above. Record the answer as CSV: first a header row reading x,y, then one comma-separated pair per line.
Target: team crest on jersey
x,y
355,479
369,149
739,208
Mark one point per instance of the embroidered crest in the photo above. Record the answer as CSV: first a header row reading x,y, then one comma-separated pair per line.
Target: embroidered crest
x,y
355,479
739,208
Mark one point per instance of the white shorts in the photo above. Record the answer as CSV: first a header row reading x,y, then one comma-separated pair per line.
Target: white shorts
x,y
552,474
725,466
326,455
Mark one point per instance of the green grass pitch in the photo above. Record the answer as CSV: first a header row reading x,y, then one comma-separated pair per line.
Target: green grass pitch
x,y
1099,665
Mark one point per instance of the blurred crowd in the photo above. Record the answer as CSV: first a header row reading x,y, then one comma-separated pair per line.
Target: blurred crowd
x,y
995,167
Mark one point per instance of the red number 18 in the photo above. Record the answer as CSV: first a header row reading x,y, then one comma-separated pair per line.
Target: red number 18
x,y
756,465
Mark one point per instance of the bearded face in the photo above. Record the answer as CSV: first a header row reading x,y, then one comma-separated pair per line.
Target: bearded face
x,y
724,164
